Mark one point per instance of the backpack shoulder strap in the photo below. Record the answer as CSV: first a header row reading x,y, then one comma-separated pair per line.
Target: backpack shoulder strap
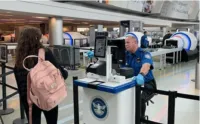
x,y
41,57
30,56
41,54
30,103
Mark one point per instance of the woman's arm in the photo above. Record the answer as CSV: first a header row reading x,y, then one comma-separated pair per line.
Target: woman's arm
x,y
49,56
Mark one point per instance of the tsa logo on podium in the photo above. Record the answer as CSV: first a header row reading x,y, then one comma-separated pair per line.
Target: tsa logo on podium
x,y
99,108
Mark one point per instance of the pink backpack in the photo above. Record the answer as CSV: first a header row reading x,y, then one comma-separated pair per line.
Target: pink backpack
x,y
46,86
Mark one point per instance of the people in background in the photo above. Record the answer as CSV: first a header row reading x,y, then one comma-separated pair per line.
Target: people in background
x,y
44,39
142,64
144,40
167,36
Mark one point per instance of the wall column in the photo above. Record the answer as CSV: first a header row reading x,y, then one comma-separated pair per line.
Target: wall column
x,y
92,35
56,31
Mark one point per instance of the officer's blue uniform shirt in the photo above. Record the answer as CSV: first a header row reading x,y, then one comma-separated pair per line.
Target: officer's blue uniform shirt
x,y
137,59
144,41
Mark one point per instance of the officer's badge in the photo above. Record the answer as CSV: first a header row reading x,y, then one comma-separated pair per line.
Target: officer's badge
x,y
147,56
138,60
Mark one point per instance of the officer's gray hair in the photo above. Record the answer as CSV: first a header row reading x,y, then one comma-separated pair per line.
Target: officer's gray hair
x,y
129,35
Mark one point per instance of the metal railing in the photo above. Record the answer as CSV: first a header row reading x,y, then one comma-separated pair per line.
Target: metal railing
x,y
171,103
5,97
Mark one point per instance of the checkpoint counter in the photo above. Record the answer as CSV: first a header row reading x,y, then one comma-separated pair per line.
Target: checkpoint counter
x,y
107,103
108,97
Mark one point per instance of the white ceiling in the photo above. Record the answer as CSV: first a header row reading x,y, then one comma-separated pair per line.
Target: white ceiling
x,y
28,14
11,17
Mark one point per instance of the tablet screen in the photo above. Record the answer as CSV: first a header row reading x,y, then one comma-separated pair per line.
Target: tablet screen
x,y
100,47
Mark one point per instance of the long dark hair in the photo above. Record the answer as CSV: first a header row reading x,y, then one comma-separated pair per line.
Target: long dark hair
x,y
28,44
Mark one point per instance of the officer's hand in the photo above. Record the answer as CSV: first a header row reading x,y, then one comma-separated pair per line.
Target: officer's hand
x,y
90,54
140,79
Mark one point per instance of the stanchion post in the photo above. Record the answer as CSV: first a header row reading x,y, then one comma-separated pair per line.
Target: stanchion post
x,y
22,110
197,74
5,110
91,58
171,107
137,104
4,86
76,102
22,119
74,67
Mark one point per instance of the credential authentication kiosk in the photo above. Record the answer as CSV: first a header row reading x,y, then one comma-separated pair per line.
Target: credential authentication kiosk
x,y
108,90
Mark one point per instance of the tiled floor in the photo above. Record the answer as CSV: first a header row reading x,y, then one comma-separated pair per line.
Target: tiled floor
x,y
175,78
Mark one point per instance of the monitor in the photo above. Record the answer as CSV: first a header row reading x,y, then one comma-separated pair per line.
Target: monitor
x,y
171,42
118,52
100,47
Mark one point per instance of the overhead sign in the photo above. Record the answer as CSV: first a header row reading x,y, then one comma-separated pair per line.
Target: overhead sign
x,y
136,5
179,9
194,9
176,9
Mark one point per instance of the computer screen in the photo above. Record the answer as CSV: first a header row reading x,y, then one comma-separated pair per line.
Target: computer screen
x,y
100,47
118,52
171,42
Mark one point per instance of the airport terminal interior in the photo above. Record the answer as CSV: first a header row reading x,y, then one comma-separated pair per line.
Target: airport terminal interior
x,y
89,40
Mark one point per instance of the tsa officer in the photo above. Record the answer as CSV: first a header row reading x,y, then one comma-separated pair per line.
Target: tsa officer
x,y
142,64
144,40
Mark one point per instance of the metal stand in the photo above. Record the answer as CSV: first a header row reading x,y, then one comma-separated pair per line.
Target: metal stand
x,y
5,110
21,120
197,75
138,105
76,102
171,107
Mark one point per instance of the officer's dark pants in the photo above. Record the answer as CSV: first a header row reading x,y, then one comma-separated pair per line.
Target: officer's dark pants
x,y
146,95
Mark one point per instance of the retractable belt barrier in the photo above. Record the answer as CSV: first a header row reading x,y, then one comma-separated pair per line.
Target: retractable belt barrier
x,y
171,103
6,110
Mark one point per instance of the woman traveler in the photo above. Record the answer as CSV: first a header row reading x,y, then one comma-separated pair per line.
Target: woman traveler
x,y
29,44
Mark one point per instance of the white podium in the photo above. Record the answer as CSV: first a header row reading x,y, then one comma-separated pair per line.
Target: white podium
x,y
107,103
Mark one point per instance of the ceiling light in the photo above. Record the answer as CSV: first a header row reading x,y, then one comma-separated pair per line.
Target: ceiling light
x,y
38,17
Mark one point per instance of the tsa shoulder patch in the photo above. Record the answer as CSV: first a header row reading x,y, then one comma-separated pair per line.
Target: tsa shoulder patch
x,y
147,56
